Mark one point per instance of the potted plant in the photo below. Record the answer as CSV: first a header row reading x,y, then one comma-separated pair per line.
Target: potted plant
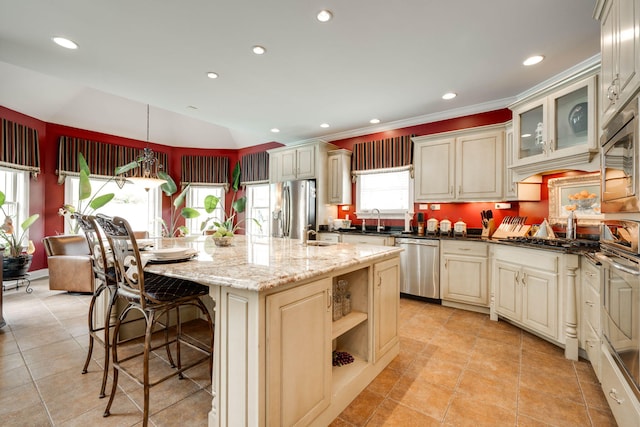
x,y
171,229
16,260
94,202
228,224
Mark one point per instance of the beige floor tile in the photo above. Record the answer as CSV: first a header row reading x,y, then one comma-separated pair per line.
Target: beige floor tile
x,y
393,414
362,408
547,408
194,408
466,411
563,387
423,396
385,381
487,388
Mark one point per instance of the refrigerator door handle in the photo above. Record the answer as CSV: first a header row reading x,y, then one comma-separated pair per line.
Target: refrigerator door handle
x,y
286,211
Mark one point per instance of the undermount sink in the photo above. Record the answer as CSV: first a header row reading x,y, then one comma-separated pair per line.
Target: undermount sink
x,y
320,243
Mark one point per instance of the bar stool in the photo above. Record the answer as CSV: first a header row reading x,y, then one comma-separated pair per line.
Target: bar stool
x,y
105,276
153,296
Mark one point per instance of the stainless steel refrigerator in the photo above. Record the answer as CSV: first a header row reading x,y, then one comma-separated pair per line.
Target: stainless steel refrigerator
x,y
293,206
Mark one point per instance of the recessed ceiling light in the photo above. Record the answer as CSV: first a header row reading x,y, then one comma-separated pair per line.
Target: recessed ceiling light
x,y
525,135
275,130
259,50
324,125
324,15
66,43
212,75
449,95
532,60
374,121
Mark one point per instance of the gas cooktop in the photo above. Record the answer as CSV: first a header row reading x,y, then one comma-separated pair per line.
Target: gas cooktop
x,y
558,243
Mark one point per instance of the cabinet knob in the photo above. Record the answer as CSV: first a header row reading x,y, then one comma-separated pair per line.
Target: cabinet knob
x,y
589,303
613,393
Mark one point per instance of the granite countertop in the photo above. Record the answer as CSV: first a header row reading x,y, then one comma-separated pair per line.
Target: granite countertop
x,y
259,264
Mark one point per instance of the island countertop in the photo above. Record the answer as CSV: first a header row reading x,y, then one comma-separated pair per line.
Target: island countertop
x,y
259,264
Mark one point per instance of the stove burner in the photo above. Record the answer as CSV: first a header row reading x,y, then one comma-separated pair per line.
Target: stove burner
x,y
555,243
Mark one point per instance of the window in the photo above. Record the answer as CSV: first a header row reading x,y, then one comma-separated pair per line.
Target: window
x,y
133,203
15,186
257,208
195,200
389,191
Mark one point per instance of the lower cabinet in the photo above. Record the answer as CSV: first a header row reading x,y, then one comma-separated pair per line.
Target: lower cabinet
x,y
622,401
464,272
590,313
367,239
299,353
386,289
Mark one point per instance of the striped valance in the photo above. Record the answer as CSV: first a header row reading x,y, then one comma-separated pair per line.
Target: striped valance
x,y
20,148
255,168
205,170
102,158
381,154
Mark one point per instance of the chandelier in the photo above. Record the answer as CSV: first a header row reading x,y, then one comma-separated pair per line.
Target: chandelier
x,y
146,175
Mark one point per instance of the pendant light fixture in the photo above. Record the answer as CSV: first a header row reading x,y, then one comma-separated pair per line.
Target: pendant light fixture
x,y
147,173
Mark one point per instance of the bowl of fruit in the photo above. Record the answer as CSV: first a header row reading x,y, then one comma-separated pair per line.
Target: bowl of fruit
x,y
583,200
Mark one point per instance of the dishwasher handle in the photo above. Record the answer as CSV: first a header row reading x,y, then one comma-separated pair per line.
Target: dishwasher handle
x,y
421,242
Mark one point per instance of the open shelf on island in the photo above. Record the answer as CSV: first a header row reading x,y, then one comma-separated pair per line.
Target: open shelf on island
x,y
347,322
343,375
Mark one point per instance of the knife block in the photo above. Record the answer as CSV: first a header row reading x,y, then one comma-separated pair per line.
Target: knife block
x,y
489,229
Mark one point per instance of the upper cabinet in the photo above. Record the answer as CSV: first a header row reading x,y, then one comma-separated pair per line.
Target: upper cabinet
x,y
620,50
460,166
339,179
556,130
305,161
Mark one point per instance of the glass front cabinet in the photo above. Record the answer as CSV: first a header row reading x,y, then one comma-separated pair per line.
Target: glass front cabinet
x,y
557,130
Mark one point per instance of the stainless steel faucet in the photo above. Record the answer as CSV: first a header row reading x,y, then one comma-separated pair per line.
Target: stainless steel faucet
x,y
306,233
379,227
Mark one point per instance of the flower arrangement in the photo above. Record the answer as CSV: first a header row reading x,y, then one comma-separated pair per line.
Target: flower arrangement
x,y
92,203
10,235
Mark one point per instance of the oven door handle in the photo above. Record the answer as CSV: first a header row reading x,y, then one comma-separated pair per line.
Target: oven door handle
x,y
618,266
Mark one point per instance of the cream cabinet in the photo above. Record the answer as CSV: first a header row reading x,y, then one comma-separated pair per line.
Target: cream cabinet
x,y
620,54
464,272
527,189
339,177
292,164
386,288
299,332
621,399
367,239
556,130
590,312
460,166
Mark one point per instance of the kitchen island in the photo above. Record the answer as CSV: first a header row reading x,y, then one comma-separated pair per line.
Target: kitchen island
x,y
275,330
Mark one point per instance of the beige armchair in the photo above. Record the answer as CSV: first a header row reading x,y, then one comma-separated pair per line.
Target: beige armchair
x,y
69,263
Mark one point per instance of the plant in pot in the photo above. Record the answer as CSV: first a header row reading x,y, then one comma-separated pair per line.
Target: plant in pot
x,y
225,227
93,202
171,229
16,260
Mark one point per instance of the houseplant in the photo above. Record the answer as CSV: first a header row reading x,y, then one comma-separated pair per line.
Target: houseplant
x,y
88,204
171,229
16,262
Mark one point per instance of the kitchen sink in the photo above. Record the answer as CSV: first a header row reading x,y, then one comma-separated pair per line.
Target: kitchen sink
x,y
320,243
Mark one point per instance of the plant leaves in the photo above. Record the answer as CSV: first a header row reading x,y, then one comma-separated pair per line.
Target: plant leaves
x,y
100,201
126,168
211,203
2,198
235,181
180,199
168,187
189,213
239,205
29,221
82,164
85,185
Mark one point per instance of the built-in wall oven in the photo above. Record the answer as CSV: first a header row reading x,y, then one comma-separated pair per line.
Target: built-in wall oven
x,y
620,294
619,162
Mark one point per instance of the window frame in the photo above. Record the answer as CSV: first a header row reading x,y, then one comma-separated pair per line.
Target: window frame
x,y
193,224
249,224
19,183
384,212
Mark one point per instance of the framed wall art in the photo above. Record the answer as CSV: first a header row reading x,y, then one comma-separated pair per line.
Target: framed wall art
x,y
580,194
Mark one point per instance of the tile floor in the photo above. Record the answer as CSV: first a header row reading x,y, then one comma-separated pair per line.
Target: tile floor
x,y
455,368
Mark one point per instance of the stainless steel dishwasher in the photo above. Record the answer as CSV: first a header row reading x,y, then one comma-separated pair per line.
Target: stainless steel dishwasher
x,y
420,267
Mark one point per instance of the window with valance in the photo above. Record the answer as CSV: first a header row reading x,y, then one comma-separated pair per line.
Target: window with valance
x,y
20,148
204,170
102,158
255,168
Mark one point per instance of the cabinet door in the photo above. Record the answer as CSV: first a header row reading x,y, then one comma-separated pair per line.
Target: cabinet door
x,y
628,48
434,171
464,279
298,361
275,167
386,282
508,293
479,166
539,301
339,180
608,64
530,131
306,166
288,165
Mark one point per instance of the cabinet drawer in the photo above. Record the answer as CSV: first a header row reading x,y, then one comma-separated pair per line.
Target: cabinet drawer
x,y
538,259
328,237
623,403
591,307
592,345
464,247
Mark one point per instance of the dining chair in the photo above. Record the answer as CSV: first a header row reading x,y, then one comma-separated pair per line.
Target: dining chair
x,y
153,296
105,279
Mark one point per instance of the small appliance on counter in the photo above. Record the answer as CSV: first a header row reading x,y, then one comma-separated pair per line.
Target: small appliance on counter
x,y
445,227
460,228
432,226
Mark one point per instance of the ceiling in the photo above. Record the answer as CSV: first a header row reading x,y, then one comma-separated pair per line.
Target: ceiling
x,y
375,59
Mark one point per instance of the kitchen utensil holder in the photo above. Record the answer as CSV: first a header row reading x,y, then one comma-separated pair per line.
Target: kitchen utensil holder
x,y
489,228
